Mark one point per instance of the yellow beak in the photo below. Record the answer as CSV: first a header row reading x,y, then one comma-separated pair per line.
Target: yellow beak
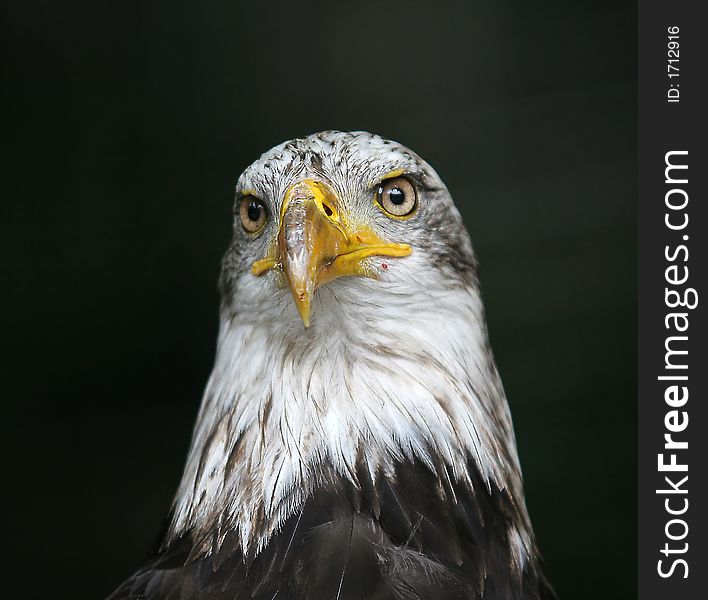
x,y
316,244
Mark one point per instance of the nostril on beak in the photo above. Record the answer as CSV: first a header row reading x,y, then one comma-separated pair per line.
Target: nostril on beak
x,y
328,209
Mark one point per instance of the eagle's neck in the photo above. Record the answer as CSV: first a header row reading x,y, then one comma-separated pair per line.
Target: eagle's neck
x,y
285,408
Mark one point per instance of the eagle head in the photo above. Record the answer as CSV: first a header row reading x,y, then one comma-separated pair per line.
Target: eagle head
x,y
341,227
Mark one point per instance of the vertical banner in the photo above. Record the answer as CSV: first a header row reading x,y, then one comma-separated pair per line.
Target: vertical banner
x,y
673,269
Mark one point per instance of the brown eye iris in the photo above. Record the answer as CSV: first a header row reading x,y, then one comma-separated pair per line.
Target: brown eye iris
x,y
397,197
253,214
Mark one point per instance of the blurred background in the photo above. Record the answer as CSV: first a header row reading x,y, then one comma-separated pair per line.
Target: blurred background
x,y
126,125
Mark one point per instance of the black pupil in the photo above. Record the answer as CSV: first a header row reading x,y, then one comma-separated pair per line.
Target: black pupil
x,y
397,196
254,211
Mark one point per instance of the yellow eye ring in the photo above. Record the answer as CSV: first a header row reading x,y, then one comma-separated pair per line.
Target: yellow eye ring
x,y
253,214
397,197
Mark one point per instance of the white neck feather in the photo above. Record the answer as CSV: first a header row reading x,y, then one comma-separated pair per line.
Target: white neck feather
x,y
379,383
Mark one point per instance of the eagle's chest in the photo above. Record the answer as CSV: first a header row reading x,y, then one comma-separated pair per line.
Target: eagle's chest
x,y
414,534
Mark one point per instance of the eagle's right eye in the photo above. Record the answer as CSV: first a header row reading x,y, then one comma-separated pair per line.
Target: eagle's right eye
x,y
397,197
253,214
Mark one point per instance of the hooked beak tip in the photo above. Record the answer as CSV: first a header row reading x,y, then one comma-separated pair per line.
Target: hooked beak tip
x,y
302,302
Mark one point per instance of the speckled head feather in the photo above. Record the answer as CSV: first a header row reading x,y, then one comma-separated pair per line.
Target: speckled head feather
x,y
392,387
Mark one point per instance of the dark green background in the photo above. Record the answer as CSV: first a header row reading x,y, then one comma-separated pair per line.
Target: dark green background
x,y
125,127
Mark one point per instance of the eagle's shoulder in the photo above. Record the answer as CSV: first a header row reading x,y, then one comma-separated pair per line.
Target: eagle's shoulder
x,y
411,534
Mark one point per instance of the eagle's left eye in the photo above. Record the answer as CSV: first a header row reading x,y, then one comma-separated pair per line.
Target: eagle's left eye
x,y
253,214
397,197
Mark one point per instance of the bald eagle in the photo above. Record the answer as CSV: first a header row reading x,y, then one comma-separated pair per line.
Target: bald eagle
x,y
354,440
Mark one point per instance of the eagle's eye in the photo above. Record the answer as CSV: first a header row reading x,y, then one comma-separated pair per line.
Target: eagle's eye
x,y
253,214
397,197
